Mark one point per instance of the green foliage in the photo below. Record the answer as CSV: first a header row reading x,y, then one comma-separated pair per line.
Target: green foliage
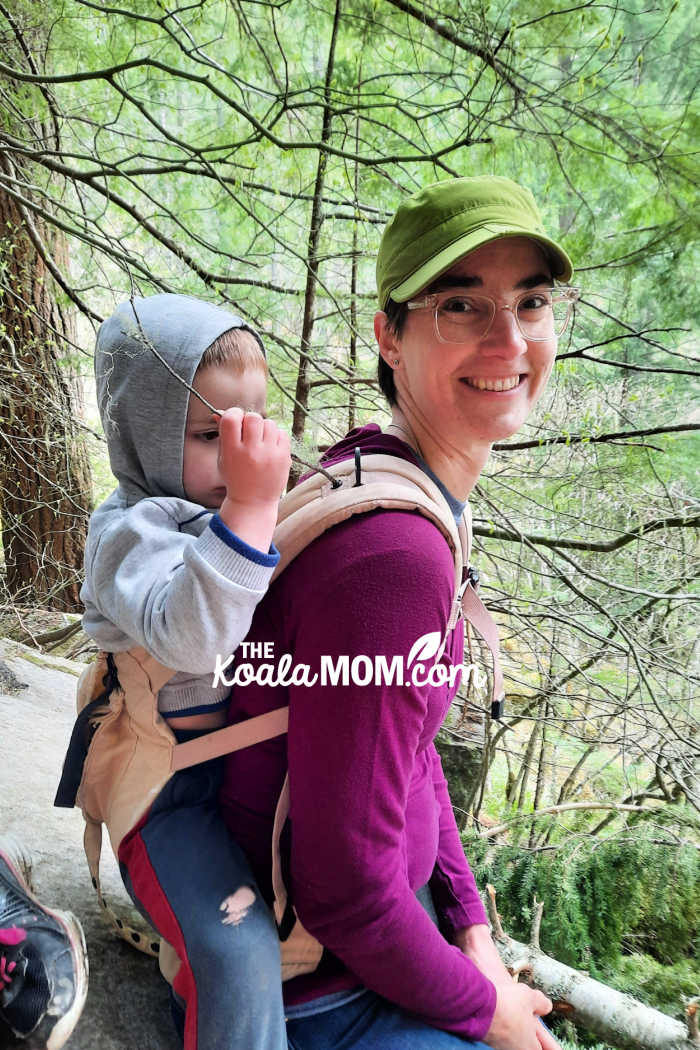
x,y
570,1038
602,899
663,987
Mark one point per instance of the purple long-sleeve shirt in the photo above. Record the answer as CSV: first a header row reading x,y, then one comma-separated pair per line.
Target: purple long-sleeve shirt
x,y
370,818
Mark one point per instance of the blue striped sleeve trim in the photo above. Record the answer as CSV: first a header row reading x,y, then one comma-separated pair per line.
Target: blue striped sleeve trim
x,y
189,521
220,529
198,709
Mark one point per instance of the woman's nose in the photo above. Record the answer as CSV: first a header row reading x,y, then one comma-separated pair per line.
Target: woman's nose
x,y
503,337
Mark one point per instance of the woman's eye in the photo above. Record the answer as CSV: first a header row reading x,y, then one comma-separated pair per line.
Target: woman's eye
x,y
535,302
208,435
457,304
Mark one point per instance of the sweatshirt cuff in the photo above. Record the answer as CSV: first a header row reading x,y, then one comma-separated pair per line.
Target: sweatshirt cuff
x,y
230,538
228,556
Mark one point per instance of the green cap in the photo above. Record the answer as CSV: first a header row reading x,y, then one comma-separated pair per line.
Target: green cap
x,y
445,221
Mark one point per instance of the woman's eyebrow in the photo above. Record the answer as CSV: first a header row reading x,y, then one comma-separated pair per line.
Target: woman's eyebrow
x,y
535,280
454,280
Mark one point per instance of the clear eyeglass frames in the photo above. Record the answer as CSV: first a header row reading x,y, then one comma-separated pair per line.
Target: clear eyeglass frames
x,y
542,313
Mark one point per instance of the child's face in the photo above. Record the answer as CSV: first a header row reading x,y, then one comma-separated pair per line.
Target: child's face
x,y
223,388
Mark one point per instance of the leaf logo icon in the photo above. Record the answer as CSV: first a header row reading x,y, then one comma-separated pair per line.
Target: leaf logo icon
x,y
425,648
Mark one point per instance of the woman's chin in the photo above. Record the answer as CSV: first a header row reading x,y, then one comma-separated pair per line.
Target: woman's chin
x,y
492,429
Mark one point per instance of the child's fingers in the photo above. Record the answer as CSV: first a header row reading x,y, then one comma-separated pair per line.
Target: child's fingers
x,y
252,427
283,440
270,432
230,424
272,435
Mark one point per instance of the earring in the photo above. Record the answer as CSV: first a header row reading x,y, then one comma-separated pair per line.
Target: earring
x,y
395,361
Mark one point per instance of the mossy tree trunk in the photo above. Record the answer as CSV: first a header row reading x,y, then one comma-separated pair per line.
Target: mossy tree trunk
x,y
44,469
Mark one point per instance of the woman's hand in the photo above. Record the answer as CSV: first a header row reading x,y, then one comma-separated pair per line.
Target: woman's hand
x,y
477,944
515,1024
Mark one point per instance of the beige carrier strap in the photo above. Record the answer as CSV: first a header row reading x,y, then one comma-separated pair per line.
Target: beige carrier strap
x,y
301,953
391,483
387,482
278,887
143,938
231,738
476,613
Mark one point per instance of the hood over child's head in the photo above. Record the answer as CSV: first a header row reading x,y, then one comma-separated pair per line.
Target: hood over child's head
x,y
142,400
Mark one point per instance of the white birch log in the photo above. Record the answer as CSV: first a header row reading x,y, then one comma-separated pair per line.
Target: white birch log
x,y
620,1020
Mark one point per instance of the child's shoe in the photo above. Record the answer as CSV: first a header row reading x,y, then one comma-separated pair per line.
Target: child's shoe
x,y
43,963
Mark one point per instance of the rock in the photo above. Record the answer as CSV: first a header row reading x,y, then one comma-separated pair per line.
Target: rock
x,y
127,1005
9,682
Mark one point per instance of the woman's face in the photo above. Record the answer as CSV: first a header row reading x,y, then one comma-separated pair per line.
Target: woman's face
x,y
441,386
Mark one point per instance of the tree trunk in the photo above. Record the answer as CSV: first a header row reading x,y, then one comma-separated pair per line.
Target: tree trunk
x,y
524,774
617,1018
462,764
301,393
44,469
541,771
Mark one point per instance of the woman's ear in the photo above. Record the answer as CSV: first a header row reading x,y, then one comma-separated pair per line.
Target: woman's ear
x,y
386,338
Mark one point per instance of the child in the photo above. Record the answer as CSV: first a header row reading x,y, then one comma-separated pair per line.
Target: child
x,y
177,558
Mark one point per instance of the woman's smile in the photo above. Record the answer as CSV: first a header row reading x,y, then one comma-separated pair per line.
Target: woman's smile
x,y
493,384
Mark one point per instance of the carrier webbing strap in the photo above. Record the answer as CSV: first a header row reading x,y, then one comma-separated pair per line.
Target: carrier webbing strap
x,y
300,951
387,483
476,613
144,939
230,738
278,887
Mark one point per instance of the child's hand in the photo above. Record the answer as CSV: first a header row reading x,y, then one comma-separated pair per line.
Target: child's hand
x,y
254,462
254,456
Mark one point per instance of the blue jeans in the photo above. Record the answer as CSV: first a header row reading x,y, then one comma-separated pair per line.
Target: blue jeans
x,y
179,865
370,1023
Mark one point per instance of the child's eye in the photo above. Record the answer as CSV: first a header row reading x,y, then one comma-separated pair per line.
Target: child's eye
x,y
208,435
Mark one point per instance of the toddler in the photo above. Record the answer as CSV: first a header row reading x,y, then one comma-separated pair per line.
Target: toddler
x,y
177,558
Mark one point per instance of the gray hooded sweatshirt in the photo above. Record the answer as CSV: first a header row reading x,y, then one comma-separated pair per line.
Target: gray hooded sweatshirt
x,y
160,571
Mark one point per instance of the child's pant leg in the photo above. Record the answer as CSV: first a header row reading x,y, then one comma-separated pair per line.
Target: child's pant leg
x,y
180,865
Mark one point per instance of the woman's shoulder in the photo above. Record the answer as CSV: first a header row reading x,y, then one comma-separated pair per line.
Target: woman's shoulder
x,y
404,546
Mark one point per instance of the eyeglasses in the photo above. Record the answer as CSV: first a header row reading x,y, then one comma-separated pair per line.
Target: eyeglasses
x,y
542,313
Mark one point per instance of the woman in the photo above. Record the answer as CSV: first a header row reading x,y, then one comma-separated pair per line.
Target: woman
x,y
467,334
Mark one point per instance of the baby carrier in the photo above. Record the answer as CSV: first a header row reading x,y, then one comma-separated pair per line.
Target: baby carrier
x,y
122,752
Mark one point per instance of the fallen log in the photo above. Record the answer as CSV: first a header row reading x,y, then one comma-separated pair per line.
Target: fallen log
x,y
619,1019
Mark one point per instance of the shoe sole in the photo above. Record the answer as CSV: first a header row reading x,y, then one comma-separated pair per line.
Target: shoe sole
x,y
19,864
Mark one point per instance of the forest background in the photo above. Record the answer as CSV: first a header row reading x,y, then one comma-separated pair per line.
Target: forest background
x,y
250,152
